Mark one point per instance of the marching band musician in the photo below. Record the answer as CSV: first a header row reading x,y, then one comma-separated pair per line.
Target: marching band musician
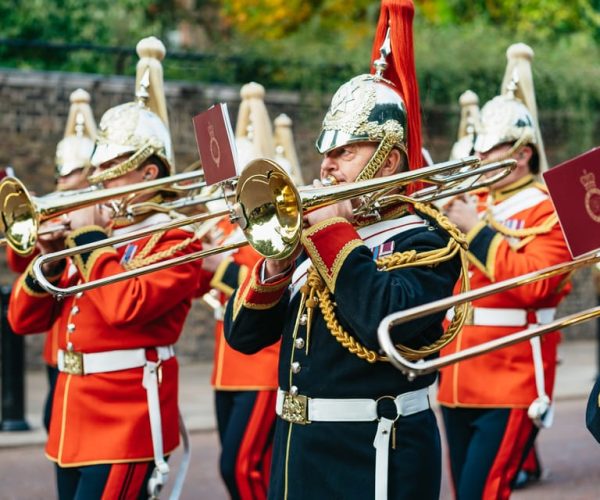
x,y
350,426
493,405
72,164
115,415
245,385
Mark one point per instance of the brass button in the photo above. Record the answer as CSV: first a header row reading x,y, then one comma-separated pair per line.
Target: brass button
x,y
293,390
71,327
74,310
296,367
299,343
303,319
69,346
78,295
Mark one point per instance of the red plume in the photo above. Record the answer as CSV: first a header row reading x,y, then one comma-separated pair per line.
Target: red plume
x,y
398,14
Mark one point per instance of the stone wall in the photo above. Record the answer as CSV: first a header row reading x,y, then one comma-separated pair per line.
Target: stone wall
x,y
33,111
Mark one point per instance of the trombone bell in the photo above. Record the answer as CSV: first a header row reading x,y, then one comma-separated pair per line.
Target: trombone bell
x,y
271,212
19,219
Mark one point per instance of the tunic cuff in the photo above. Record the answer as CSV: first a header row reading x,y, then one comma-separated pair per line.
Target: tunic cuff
x,y
328,244
253,294
483,248
30,285
228,276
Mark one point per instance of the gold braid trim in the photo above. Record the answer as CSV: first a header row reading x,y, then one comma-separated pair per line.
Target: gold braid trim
x,y
456,244
143,259
543,228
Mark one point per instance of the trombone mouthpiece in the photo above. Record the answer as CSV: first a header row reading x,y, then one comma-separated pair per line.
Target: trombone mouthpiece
x,y
330,180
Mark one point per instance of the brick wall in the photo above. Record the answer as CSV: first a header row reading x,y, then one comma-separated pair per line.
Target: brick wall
x,y
33,112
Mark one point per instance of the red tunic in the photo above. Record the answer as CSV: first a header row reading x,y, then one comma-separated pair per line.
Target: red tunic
x,y
103,417
233,370
506,377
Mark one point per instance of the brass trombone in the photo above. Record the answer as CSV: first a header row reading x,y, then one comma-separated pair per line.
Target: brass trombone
x,y
22,213
423,367
268,208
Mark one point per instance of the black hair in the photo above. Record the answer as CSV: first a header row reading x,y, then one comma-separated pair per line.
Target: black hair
x,y
534,161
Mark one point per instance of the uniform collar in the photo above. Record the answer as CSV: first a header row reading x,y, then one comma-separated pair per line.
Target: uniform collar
x,y
513,188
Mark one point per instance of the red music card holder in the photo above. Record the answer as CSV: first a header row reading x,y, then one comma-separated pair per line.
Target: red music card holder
x,y
216,144
573,187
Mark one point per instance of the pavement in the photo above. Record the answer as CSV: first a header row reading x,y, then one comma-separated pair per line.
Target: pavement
x,y
576,374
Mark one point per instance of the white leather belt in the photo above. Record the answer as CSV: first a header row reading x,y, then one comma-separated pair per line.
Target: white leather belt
x,y
300,409
77,363
491,316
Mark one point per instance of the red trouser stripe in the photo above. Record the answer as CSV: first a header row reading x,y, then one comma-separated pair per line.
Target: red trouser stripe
x,y
254,456
125,481
510,453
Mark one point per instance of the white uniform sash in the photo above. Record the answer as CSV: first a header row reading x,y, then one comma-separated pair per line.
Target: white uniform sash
x,y
523,200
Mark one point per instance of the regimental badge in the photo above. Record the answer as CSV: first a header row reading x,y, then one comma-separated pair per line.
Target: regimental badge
x,y
129,253
592,195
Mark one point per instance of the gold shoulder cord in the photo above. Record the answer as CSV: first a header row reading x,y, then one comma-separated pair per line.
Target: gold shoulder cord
x,y
457,244
143,259
543,228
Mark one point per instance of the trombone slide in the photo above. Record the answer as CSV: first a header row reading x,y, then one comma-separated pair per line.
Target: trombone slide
x,y
422,367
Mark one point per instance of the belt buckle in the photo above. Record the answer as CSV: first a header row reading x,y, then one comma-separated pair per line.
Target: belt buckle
x,y
295,409
73,363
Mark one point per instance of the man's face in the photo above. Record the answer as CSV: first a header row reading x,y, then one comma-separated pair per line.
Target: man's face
x,y
500,152
73,180
346,162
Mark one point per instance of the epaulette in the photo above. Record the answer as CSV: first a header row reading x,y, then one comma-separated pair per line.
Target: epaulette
x,y
88,234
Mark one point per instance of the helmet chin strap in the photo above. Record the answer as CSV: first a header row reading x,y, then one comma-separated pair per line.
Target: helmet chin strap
x,y
128,165
390,140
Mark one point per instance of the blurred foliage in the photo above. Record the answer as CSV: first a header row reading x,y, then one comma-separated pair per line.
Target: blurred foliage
x,y
315,45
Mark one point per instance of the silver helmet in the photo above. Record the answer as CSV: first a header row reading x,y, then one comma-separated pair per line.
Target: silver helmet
x,y
366,108
511,117
140,128
74,151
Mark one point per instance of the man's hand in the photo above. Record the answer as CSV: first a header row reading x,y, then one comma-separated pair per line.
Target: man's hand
x,y
96,215
50,242
462,211
275,267
341,209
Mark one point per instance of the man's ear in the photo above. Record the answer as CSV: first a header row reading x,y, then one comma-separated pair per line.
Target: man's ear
x,y
525,153
393,163
150,171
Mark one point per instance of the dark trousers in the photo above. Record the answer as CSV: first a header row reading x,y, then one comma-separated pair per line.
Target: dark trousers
x,y
487,447
245,421
52,372
91,482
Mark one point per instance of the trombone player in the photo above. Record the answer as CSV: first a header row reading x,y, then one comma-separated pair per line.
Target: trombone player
x,y
115,415
493,405
349,426
72,165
